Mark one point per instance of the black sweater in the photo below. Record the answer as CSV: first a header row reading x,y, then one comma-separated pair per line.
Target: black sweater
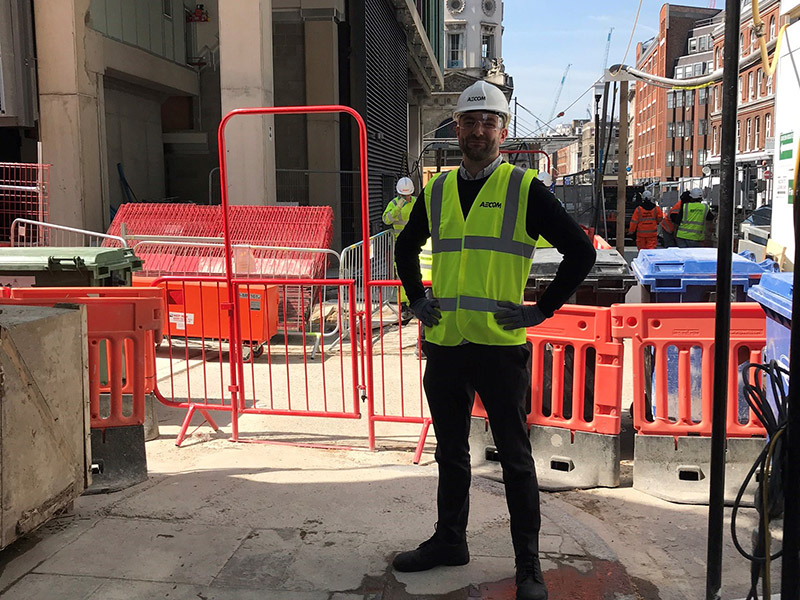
x,y
546,217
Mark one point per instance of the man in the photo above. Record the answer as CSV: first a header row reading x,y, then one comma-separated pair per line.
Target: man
x,y
396,215
484,220
691,220
644,222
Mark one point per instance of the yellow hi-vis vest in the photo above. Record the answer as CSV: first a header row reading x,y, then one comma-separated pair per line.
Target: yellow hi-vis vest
x,y
693,221
397,216
426,260
481,260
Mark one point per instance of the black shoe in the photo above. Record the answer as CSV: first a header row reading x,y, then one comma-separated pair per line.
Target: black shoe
x,y
432,553
530,583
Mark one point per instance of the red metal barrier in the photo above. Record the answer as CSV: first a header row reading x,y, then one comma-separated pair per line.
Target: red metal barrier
x,y
117,321
576,339
672,337
23,194
196,367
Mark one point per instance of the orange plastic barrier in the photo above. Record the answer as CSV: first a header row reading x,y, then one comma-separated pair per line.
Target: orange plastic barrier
x,y
679,341
118,321
152,337
193,309
590,399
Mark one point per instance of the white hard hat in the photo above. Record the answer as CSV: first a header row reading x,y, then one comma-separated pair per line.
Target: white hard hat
x,y
647,194
696,193
482,95
405,187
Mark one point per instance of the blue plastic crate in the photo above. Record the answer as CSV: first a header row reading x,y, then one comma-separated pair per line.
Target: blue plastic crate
x,y
690,274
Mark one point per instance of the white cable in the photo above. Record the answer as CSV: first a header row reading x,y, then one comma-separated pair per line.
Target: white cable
x,y
633,31
667,81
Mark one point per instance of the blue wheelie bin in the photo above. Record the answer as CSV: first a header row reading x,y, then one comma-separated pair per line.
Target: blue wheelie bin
x,y
774,294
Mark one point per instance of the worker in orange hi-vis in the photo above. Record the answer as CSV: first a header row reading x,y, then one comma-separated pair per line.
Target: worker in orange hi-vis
x,y
644,222
668,227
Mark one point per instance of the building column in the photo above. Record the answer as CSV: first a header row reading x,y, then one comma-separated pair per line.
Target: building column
x,y
69,68
415,134
322,88
246,81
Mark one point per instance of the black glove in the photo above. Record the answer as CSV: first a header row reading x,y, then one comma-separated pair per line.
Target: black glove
x,y
515,316
427,311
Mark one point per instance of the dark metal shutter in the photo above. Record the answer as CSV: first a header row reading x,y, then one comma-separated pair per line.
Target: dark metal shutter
x,y
386,78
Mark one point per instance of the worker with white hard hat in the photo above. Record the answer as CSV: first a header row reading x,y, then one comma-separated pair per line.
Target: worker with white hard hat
x,y
484,219
691,220
396,215
644,222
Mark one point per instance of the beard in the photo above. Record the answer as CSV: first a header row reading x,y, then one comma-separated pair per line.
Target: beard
x,y
478,152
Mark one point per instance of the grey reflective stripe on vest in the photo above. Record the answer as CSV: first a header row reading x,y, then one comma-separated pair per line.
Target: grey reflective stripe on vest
x,y
504,245
448,304
479,304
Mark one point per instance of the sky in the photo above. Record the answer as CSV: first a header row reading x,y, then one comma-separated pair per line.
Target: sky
x,y
541,37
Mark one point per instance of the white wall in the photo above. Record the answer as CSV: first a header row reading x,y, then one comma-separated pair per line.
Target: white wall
x,y
787,125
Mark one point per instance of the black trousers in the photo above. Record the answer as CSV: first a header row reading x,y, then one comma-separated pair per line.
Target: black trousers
x,y
501,377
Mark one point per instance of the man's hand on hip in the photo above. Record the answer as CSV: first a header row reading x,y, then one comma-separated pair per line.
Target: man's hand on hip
x,y
427,311
516,316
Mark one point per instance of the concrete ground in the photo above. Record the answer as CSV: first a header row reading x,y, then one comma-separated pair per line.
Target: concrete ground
x,y
218,520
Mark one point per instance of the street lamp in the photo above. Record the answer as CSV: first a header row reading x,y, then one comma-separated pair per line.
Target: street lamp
x,y
599,88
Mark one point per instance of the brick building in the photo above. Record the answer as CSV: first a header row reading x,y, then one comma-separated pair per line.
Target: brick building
x,y
756,106
662,56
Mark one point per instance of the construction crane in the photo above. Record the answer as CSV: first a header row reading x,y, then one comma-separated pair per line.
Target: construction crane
x,y
608,47
712,4
558,96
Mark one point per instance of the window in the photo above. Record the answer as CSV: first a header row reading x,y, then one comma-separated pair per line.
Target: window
x,y
717,60
671,162
714,142
738,134
487,46
689,97
688,129
670,100
702,127
679,128
455,52
678,99
772,27
678,158
769,85
709,66
740,89
692,45
702,157
687,158
702,43
749,134
757,139
698,69
702,96
670,130
678,72
768,125
751,91
741,44
759,83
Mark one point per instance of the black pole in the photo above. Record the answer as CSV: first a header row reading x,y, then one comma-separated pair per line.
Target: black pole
x,y
790,567
716,503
